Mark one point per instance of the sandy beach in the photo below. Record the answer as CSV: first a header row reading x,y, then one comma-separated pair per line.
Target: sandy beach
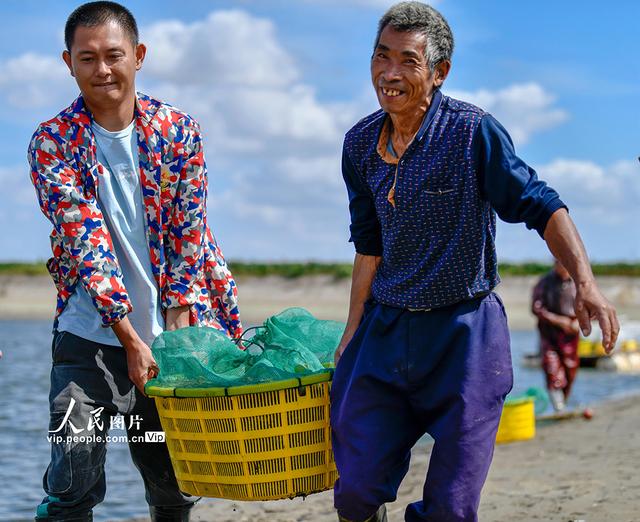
x,y
33,297
573,470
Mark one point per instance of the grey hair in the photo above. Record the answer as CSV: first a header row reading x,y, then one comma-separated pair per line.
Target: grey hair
x,y
424,19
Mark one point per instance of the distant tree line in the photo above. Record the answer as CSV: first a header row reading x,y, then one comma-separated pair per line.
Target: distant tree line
x,y
343,270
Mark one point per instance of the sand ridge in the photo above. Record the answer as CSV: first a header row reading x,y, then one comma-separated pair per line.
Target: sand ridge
x,y
33,297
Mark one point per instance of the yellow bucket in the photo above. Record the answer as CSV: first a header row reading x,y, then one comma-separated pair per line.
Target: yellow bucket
x,y
585,348
259,442
588,348
629,346
518,421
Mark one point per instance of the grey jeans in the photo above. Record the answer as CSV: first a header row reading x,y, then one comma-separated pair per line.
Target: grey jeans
x,y
94,378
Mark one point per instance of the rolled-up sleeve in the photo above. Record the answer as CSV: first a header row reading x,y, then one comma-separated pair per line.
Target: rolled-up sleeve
x,y
365,228
508,183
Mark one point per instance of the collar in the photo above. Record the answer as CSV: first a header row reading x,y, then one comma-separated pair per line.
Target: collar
x,y
436,101
79,114
385,132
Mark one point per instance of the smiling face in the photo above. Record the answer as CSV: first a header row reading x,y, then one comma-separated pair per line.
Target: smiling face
x,y
400,73
104,61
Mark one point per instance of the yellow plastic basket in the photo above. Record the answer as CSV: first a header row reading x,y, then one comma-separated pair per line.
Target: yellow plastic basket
x,y
518,421
261,442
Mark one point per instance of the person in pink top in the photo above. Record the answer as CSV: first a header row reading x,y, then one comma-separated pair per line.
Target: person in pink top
x,y
552,304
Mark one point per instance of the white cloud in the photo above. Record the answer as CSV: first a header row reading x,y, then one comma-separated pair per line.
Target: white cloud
x,y
232,73
608,194
316,171
228,49
31,81
16,186
273,147
602,201
373,4
524,109
299,203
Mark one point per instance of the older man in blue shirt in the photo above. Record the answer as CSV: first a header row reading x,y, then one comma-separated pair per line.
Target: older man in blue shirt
x,y
426,347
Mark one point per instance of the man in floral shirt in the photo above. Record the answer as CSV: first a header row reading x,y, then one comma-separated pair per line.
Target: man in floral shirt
x,y
122,178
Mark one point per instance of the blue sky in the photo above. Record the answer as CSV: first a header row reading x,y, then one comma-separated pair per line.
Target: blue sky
x,y
275,84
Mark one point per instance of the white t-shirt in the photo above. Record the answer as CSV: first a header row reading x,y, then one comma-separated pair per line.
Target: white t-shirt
x,y
120,199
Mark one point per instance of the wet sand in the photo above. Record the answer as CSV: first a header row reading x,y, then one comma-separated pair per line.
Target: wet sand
x,y
573,470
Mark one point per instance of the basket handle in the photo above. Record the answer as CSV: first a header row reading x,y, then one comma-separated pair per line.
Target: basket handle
x,y
243,343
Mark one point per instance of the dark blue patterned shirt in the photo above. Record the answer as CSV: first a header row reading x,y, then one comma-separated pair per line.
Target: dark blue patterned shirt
x,y
431,213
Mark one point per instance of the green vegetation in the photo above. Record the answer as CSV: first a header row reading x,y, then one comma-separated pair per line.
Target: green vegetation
x,y
622,269
23,268
523,269
291,270
343,270
599,269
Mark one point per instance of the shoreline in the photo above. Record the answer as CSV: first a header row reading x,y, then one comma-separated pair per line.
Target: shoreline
x,y
33,297
554,477
573,470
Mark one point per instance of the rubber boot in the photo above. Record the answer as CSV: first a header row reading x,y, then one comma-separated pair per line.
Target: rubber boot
x,y
88,517
557,399
378,516
170,513
42,513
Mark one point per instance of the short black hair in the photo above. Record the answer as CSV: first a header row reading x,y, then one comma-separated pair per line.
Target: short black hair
x,y
93,14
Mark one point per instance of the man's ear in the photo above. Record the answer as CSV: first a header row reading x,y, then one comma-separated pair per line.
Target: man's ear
x,y
66,56
441,72
141,52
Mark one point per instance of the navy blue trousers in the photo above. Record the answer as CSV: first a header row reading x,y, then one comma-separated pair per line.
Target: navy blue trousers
x,y
444,372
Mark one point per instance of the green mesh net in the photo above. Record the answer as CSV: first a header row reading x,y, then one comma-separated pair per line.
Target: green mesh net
x,y
290,344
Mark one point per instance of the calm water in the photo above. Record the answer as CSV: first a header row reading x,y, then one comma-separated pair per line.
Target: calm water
x,y
24,451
